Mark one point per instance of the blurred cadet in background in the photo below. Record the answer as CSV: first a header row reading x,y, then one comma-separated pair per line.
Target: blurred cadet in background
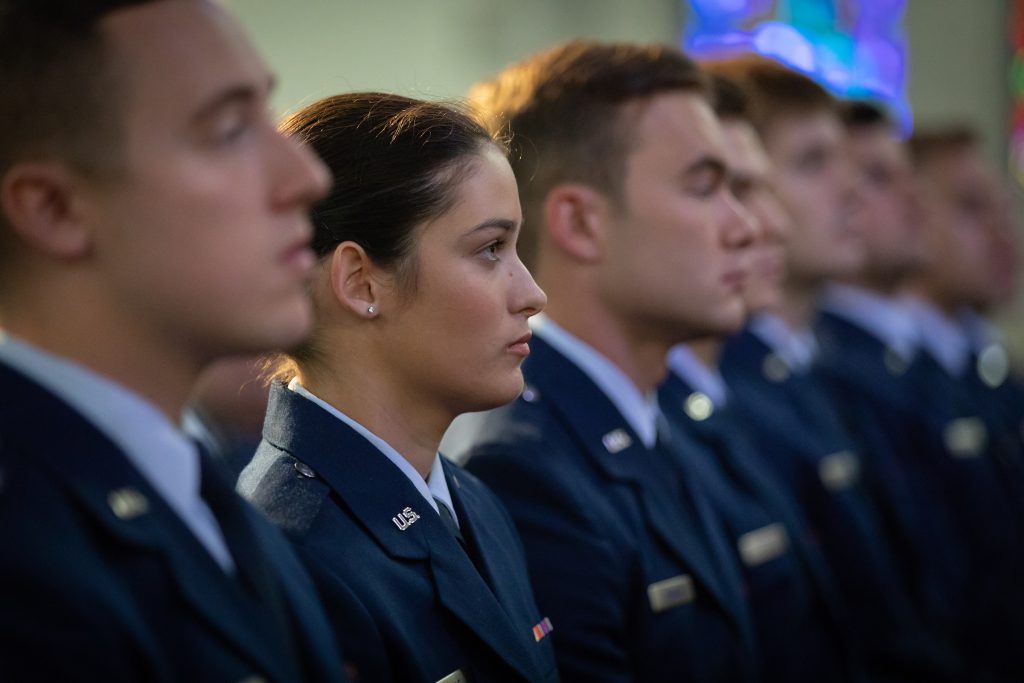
x,y
793,597
769,369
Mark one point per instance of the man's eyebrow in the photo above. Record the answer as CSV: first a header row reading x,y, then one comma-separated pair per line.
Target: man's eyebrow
x,y
239,93
705,164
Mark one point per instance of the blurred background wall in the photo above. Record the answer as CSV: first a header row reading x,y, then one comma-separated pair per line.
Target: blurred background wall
x,y
958,51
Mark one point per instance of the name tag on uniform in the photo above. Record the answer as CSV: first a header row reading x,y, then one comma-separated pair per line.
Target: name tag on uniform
x,y
454,677
965,437
763,545
664,595
839,471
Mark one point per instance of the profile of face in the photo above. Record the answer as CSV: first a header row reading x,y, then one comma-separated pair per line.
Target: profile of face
x,y
750,180
677,258
814,184
1004,253
458,337
962,215
204,232
885,214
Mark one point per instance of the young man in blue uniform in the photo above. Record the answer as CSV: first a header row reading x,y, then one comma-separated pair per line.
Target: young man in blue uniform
x,y
152,220
623,185
802,624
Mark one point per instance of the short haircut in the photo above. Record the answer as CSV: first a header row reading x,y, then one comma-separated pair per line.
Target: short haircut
x,y
773,90
861,115
56,100
728,99
927,143
562,112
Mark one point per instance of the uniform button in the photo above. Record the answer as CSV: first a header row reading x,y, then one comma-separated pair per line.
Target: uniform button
x,y
530,394
304,470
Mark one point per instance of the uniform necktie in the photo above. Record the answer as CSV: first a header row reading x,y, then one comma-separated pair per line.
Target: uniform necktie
x,y
448,519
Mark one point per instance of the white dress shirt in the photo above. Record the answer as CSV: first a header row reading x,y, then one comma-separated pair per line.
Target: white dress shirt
x,y
942,337
707,380
889,319
796,348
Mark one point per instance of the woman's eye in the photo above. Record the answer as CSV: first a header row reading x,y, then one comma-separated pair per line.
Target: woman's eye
x,y
491,251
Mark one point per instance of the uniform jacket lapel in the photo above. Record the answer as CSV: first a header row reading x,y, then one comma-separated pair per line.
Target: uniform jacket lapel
x,y
345,460
122,503
599,427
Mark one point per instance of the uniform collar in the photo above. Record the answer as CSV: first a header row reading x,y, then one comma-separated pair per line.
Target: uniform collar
x,y
796,348
887,318
707,380
433,487
640,412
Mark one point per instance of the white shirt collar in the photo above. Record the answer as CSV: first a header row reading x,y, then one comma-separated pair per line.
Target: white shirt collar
x,y
796,348
158,449
707,380
887,318
434,485
640,412
941,336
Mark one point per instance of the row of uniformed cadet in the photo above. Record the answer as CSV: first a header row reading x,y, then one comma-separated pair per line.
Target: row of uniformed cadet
x,y
659,543
637,534
775,513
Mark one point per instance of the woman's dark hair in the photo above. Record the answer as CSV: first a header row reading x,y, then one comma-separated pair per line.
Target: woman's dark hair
x,y
396,163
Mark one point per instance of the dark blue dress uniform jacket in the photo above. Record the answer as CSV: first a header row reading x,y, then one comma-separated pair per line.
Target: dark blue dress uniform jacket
x,y
921,424
628,581
869,536
406,599
101,581
799,615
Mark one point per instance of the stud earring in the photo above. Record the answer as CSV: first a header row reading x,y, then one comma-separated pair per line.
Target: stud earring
x,y
371,309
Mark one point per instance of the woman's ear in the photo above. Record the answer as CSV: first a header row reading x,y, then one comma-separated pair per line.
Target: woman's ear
x,y
353,279
574,218
44,208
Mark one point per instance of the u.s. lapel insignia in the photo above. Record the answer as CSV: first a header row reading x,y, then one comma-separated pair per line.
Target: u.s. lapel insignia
x,y
454,677
405,519
698,406
543,628
894,362
965,437
616,440
839,471
127,503
993,366
774,368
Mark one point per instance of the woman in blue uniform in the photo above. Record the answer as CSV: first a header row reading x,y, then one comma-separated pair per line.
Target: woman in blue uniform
x,y
421,314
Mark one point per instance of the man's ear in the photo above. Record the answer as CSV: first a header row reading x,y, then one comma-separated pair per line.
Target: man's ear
x,y
42,204
575,218
354,280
